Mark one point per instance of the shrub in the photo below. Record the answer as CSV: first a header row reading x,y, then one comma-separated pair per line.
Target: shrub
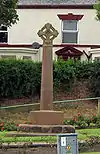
x,y
84,122
8,126
20,78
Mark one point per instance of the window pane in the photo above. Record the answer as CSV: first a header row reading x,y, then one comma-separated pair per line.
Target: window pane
x,y
3,37
8,56
3,28
69,24
97,58
69,37
27,57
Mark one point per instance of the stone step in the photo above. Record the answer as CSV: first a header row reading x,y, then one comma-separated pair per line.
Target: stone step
x,y
21,134
46,128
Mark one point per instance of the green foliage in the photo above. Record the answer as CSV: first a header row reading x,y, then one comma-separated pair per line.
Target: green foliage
x,y
97,7
84,122
7,126
95,78
8,13
64,73
20,78
67,72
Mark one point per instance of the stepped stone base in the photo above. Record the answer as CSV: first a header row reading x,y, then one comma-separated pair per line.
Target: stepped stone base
x,y
46,121
46,128
46,117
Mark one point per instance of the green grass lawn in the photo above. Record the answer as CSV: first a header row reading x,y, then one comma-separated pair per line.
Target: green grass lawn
x,y
83,134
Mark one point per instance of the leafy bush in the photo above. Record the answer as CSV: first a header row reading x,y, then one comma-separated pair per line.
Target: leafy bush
x,y
20,78
84,122
8,126
95,78
67,72
64,73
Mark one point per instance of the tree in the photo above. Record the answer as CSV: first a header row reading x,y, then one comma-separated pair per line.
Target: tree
x,y
97,7
8,13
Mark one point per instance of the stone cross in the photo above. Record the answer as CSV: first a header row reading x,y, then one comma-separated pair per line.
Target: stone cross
x,y
46,115
47,34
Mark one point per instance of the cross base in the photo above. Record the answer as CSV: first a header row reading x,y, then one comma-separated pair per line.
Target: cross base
x,y
42,130
46,117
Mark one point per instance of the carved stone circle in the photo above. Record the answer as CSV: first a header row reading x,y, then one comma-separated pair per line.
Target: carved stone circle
x,y
48,33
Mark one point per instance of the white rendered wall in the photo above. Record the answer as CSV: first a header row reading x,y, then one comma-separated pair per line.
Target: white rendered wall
x,y
32,20
20,52
95,53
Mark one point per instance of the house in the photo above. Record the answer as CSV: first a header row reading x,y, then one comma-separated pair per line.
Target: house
x,y
79,31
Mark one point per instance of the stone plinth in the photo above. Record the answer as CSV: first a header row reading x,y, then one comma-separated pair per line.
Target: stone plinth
x,y
49,129
46,117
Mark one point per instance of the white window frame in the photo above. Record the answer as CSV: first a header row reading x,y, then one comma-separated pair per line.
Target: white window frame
x,y
69,31
4,31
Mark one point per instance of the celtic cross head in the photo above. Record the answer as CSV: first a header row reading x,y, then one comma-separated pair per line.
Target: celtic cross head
x,y
48,33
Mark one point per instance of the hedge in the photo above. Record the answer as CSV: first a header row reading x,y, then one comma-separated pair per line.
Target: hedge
x,y
20,78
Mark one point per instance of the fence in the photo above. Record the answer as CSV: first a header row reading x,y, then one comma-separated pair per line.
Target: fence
x,y
55,102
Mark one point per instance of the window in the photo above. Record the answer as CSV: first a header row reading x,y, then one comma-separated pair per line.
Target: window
x,y
69,27
3,34
8,56
27,57
69,31
97,58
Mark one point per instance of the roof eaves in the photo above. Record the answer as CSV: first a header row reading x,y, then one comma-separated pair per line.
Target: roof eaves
x,y
60,6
